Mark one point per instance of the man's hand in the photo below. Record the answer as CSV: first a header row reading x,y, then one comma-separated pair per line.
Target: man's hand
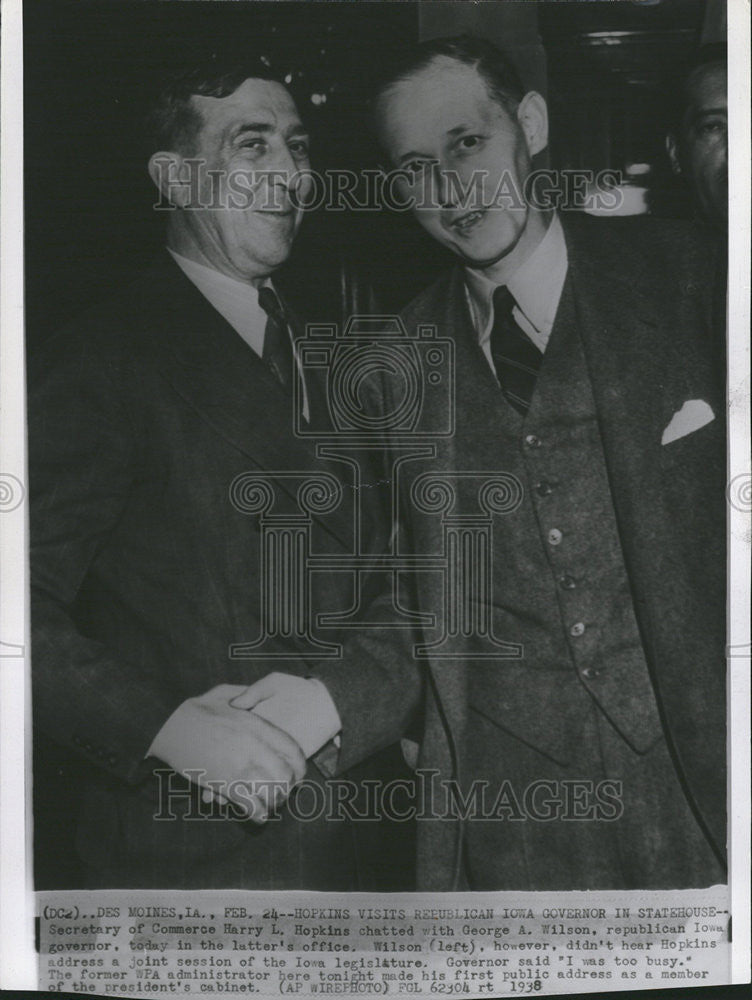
x,y
301,706
233,754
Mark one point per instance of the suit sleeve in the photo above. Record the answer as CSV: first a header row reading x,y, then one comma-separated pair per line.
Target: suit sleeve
x,y
378,685
81,472
377,688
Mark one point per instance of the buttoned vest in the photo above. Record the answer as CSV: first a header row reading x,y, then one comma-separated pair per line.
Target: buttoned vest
x,y
560,585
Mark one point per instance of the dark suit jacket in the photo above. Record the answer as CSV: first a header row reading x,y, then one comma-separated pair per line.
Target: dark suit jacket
x,y
141,414
643,296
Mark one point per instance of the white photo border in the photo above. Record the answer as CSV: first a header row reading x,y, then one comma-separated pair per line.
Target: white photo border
x,y
18,959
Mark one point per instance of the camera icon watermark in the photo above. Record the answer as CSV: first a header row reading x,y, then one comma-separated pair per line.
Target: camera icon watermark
x,y
373,396
376,380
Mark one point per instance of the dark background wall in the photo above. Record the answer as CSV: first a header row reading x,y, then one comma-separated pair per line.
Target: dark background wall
x,y
91,67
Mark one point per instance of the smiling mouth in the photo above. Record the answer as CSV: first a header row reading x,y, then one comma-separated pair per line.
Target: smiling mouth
x,y
278,213
467,222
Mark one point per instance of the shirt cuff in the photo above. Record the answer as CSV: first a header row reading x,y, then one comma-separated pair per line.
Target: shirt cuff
x,y
178,732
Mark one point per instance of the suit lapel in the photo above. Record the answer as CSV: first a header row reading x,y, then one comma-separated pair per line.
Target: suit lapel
x,y
470,447
621,331
626,349
230,387
369,521
642,371
475,383
480,406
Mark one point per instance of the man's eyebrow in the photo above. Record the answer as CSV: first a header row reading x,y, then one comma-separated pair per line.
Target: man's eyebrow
x,y
265,128
413,155
706,113
251,127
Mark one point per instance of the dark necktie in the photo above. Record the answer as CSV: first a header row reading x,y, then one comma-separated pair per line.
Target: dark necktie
x,y
515,357
277,351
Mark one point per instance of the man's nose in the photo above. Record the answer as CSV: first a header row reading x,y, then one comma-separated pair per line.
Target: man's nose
x,y
285,165
281,174
443,190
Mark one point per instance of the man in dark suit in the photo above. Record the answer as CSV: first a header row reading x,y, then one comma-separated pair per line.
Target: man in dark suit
x,y
589,752
146,562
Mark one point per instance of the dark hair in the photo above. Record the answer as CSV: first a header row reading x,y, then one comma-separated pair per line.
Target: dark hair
x,y
707,55
173,122
712,52
496,69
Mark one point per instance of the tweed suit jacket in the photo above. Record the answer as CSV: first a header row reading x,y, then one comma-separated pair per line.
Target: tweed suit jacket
x,y
643,296
141,414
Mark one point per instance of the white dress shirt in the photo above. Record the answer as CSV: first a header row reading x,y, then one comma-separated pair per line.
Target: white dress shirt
x,y
536,286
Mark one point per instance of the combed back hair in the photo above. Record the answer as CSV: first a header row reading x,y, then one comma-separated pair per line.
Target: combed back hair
x,y
711,54
174,122
493,66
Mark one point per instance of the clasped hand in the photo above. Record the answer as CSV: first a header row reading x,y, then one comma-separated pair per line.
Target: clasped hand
x,y
233,753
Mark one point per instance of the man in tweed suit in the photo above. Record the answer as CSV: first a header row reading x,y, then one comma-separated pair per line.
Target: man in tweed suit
x,y
584,370
142,415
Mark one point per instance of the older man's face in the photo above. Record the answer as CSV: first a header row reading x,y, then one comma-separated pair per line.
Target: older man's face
x,y
252,147
704,141
442,123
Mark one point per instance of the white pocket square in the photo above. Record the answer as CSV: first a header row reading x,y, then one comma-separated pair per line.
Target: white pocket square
x,y
693,415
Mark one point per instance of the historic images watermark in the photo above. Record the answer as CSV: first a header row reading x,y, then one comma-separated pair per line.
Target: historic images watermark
x,y
195,186
422,797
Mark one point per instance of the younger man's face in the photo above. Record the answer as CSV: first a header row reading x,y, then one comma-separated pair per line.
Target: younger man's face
x,y
442,121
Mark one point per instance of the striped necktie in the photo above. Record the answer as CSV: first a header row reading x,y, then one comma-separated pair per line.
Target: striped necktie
x,y
515,357
277,352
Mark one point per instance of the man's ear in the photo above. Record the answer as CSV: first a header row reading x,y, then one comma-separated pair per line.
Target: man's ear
x,y
672,150
532,114
165,170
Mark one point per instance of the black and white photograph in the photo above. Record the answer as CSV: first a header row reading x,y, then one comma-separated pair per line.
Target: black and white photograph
x,y
383,515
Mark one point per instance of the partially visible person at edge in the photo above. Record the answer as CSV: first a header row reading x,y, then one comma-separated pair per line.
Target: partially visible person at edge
x,y
697,142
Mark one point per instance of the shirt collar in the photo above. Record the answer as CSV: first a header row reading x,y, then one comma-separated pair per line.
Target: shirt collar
x,y
536,284
237,301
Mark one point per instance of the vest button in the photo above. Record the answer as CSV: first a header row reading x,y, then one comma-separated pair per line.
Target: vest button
x,y
544,489
533,441
577,629
590,672
554,536
567,582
